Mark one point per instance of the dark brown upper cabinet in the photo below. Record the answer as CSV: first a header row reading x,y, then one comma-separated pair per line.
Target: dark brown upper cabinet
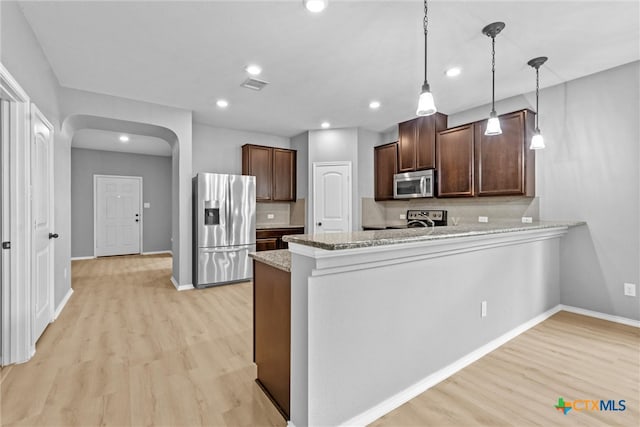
x,y
455,162
417,142
274,169
504,165
385,158
284,175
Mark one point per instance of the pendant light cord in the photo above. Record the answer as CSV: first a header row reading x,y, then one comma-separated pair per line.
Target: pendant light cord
x,y
425,22
537,92
493,74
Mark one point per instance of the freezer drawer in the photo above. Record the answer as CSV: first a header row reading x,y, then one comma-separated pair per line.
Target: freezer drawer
x,y
221,265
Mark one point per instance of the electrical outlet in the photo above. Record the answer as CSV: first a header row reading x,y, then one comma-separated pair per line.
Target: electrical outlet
x,y
403,216
147,205
483,309
483,219
527,220
270,216
630,289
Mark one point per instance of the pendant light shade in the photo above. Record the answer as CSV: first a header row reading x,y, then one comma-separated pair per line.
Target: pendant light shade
x,y
537,141
426,104
493,124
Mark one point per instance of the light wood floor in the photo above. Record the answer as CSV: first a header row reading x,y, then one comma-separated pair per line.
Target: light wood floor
x,y
568,355
130,350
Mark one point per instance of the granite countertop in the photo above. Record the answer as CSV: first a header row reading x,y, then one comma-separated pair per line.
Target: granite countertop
x,y
280,259
270,226
385,226
363,239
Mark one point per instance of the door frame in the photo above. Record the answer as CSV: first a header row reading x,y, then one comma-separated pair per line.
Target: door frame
x,y
315,187
17,345
95,211
36,113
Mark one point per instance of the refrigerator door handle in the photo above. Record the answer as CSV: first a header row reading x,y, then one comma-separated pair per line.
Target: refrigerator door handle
x,y
234,249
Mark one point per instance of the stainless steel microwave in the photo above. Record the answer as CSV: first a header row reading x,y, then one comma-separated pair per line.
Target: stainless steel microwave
x,y
412,185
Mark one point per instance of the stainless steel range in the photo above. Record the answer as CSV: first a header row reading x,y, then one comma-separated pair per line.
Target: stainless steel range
x,y
426,218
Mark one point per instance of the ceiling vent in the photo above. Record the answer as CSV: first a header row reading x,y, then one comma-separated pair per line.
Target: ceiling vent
x,y
254,84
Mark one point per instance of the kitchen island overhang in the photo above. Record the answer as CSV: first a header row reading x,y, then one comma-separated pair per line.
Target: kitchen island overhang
x,y
373,320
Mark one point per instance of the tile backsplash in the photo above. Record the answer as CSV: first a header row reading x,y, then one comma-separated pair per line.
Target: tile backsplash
x,y
467,209
280,213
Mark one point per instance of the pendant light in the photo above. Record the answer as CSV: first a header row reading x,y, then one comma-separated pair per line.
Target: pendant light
x,y
537,142
426,104
493,125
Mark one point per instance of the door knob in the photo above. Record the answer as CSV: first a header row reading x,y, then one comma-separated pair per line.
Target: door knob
x,y
53,235
137,220
319,224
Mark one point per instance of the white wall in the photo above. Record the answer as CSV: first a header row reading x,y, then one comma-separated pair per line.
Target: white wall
x,y
219,150
366,141
589,171
22,55
332,145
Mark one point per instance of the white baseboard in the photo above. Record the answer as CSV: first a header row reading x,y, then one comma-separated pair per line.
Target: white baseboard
x,y
77,258
181,287
157,252
62,304
603,316
423,385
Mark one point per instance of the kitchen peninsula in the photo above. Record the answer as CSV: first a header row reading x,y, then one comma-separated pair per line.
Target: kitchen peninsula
x,y
379,316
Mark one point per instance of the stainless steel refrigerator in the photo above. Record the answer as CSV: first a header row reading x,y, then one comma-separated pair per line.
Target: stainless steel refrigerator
x,y
224,228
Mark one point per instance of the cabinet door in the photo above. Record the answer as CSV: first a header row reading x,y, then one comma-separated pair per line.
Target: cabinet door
x,y
284,175
407,139
500,159
266,244
427,129
385,166
257,161
455,162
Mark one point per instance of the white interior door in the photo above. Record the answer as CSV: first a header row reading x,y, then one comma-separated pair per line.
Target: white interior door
x,y
331,197
5,231
42,217
118,215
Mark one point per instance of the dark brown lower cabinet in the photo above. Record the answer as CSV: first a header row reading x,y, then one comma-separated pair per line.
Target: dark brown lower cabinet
x,y
268,239
272,333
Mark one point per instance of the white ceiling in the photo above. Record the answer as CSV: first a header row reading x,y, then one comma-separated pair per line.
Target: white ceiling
x,y
326,66
94,139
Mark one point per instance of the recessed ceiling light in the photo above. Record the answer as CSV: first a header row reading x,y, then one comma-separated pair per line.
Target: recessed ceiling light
x,y
374,105
453,71
124,138
325,125
315,6
253,69
222,103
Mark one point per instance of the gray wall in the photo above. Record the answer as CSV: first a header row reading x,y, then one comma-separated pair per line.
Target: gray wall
x,y
156,177
22,55
300,143
219,150
589,171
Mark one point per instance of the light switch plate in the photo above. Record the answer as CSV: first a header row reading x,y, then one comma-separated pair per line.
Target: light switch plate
x,y
403,216
147,205
527,220
630,289
483,219
270,216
